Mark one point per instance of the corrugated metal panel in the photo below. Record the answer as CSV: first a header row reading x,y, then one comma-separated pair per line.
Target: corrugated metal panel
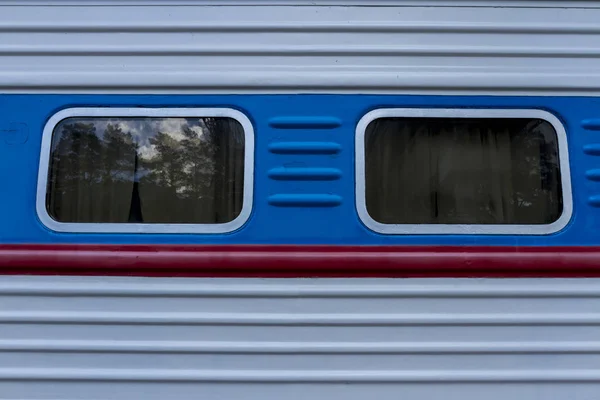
x,y
130,338
510,46
369,3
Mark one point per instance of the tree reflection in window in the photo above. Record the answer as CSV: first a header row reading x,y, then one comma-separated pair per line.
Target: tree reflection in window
x,y
146,170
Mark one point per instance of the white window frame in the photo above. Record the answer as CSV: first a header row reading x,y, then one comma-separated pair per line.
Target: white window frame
x,y
116,112
463,229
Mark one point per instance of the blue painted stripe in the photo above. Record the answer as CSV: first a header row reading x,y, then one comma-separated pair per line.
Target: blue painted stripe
x,y
305,122
592,149
299,174
315,211
591,124
305,148
305,200
593,174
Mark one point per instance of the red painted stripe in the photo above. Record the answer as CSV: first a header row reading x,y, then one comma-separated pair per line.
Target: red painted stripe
x,y
300,261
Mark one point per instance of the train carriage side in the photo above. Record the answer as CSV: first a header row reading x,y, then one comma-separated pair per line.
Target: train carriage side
x,y
284,198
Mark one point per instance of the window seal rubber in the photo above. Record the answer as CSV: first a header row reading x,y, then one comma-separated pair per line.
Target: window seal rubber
x,y
462,229
145,228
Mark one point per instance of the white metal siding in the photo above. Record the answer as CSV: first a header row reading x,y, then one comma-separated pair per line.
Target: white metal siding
x,y
143,338
300,46
452,339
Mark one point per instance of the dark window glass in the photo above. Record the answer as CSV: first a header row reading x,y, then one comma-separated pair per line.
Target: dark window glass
x,y
462,171
146,170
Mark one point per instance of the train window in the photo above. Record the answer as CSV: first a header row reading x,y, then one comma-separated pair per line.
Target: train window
x,y
462,171
146,170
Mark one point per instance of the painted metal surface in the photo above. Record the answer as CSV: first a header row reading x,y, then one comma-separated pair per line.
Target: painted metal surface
x,y
491,47
133,338
300,261
279,62
304,171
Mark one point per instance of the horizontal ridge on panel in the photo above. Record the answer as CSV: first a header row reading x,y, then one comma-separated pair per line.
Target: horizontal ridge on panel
x,y
305,148
305,200
312,319
305,122
591,124
260,26
315,348
307,174
594,201
593,174
592,149
232,288
300,50
302,260
285,78
299,376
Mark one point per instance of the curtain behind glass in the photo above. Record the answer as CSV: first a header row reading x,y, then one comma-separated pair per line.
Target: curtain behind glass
x,y
456,171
